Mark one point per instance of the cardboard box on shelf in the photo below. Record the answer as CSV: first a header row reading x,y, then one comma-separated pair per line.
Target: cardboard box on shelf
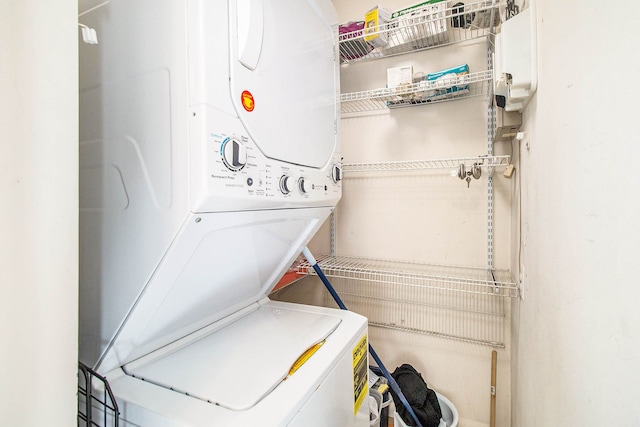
x,y
400,81
397,76
375,27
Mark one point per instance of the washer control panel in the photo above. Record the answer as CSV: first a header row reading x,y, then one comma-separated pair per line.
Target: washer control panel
x,y
230,172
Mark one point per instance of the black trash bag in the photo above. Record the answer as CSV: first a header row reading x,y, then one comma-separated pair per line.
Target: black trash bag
x,y
422,399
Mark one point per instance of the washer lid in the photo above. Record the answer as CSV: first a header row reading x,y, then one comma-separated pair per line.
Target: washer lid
x,y
218,264
238,365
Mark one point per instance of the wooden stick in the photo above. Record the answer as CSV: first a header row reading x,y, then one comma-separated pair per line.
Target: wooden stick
x,y
494,365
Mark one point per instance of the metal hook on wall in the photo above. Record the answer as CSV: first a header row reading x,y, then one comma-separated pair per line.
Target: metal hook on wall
x,y
475,171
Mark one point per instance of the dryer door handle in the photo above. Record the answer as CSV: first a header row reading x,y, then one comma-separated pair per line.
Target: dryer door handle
x,y
250,15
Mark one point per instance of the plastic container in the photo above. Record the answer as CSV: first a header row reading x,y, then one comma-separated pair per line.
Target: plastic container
x,y
352,44
379,412
449,414
375,407
381,386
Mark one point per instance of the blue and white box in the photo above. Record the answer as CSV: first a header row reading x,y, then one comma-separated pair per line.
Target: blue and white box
x,y
448,83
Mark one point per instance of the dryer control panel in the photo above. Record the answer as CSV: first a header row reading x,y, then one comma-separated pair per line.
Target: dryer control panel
x,y
229,172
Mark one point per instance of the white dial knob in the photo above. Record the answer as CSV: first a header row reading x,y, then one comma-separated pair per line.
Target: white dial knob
x,y
285,184
234,154
302,185
336,173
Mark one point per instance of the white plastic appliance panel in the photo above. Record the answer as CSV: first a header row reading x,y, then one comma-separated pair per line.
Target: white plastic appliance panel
x,y
260,183
288,66
250,356
145,94
320,393
133,146
218,264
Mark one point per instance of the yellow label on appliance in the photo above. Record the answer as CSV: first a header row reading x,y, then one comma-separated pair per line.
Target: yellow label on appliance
x,y
360,371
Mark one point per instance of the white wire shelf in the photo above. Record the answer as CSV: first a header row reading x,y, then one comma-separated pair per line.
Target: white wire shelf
x,y
459,303
438,26
466,280
420,93
416,165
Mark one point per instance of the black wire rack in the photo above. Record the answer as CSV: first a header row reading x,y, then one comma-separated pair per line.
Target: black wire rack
x,y
97,407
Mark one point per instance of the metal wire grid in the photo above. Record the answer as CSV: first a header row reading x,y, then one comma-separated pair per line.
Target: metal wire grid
x,y
413,165
437,26
454,302
92,408
423,92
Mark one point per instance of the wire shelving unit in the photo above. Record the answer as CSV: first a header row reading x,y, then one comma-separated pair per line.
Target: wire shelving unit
x,y
440,26
420,93
417,165
461,303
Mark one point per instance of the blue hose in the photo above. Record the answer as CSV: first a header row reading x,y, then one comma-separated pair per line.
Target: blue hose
x,y
392,382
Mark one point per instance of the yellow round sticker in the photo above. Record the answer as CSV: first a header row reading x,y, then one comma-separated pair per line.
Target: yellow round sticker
x,y
247,100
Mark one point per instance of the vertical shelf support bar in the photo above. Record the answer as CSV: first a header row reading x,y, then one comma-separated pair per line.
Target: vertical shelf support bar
x,y
491,123
332,234
491,130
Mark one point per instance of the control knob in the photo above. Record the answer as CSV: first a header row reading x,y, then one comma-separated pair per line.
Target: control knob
x,y
336,173
234,154
302,185
285,184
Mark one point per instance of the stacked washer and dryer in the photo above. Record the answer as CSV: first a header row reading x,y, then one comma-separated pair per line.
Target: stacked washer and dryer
x,y
210,155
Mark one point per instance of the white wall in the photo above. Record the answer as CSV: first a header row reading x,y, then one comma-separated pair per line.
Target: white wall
x,y
38,214
578,349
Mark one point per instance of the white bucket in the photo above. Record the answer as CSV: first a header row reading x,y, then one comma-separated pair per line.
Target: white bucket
x,y
375,409
449,414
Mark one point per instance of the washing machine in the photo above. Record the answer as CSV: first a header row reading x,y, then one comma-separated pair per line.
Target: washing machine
x,y
209,157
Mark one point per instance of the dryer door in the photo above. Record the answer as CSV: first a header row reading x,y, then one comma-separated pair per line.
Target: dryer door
x,y
284,77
